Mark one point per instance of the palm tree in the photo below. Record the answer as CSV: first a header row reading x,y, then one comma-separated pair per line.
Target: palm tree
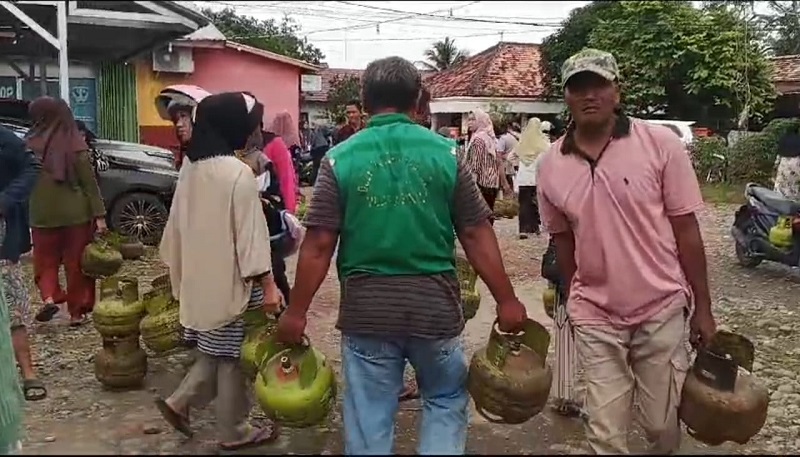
x,y
443,55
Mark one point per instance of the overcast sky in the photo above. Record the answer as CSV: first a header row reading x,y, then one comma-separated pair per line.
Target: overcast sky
x,y
351,34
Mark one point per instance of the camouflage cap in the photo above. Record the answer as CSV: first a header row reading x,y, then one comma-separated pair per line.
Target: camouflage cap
x,y
593,60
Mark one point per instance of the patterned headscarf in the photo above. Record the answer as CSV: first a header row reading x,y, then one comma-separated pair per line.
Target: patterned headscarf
x,y
483,129
285,127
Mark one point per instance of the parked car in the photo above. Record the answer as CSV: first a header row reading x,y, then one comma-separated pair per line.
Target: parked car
x,y
138,186
681,128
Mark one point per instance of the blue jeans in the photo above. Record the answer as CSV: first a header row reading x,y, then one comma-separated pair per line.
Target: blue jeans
x,y
373,372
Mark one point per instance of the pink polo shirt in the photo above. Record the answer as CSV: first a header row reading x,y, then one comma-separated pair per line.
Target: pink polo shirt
x,y
627,258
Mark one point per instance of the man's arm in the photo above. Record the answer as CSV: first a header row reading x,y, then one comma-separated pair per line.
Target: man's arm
x,y
478,238
557,225
565,256
323,223
20,188
692,255
682,198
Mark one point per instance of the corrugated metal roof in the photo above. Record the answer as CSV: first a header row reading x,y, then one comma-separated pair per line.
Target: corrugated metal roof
x,y
207,33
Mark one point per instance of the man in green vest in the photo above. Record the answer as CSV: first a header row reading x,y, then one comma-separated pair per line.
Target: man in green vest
x,y
392,196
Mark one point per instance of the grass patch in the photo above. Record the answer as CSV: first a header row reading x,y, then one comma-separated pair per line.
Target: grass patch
x,y
723,193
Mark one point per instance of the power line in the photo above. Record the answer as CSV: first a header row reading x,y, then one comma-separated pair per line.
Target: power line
x,y
294,9
335,14
446,18
319,9
298,10
418,16
423,22
430,38
408,16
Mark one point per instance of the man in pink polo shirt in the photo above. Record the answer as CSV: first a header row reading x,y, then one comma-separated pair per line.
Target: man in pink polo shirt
x,y
619,197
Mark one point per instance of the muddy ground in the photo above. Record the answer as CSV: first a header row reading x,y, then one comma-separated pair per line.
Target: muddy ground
x,y
81,417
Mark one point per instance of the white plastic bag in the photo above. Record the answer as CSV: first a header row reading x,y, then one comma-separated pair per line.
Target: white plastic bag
x,y
294,232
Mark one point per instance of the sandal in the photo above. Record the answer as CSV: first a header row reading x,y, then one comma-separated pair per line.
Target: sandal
x,y
48,312
410,392
77,322
569,409
177,420
255,437
34,390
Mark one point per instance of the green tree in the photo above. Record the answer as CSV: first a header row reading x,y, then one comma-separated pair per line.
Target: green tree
x,y
444,54
783,23
571,38
278,37
499,113
688,63
343,89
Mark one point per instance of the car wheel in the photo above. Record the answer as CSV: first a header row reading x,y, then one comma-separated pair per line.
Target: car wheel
x,y
140,215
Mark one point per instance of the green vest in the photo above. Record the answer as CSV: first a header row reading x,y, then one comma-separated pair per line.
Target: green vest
x,y
11,399
396,182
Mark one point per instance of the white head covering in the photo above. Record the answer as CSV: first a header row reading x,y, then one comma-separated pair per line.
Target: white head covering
x,y
532,142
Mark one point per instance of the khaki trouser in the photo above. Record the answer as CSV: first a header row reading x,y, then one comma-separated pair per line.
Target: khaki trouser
x,y
220,379
644,366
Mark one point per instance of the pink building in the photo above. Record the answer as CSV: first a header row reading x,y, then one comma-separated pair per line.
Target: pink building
x,y
217,65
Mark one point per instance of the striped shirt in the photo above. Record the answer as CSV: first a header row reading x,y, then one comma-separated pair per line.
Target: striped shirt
x,y
484,164
406,306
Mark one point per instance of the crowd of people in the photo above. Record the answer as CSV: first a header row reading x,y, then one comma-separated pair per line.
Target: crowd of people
x,y
617,197
627,219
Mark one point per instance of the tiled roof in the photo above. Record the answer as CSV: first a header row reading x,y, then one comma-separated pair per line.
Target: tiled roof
x,y
508,70
329,74
787,69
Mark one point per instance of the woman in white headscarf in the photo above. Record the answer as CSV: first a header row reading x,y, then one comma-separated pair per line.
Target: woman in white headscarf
x,y
532,145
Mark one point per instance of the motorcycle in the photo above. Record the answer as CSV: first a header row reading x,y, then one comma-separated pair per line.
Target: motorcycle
x,y
303,167
767,227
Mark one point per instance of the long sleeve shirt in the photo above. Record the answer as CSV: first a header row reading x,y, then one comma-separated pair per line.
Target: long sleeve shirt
x,y
19,170
62,204
483,164
209,263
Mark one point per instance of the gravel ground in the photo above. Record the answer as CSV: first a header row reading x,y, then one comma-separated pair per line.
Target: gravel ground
x,y
81,417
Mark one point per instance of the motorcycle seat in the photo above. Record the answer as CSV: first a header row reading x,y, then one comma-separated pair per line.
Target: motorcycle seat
x,y
774,200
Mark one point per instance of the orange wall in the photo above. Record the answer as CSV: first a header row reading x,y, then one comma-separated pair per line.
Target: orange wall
x,y
148,85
